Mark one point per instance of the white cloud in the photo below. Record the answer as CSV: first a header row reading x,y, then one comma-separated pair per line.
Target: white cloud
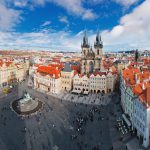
x,y
89,15
46,23
73,7
20,3
39,2
76,7
42,40
8,17
63,19
95,2
126,2
133,31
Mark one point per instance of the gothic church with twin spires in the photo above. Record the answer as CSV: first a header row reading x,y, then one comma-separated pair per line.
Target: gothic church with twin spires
x,y
91,59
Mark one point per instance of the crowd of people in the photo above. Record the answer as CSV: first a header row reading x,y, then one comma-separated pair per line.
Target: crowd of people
x,y
80,123
3,117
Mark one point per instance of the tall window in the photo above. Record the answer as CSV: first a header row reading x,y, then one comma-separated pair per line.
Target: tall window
x,y
84,52
91,67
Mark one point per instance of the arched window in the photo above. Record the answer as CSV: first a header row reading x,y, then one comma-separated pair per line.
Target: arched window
x,y
98,52
84,51
91,67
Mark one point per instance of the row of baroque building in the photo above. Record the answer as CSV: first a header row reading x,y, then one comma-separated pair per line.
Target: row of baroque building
x,y
11,72
135,101
91,77
55,79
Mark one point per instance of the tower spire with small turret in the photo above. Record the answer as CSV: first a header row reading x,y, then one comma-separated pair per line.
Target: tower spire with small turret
x,y
98,43
85,40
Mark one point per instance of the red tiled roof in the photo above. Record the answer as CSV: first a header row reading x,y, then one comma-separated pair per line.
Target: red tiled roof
x,y
7,63
144,75
129,75
75,72
59,65
76,68
81,75
99,73
144,94
37,65
113,69
49,70
140,88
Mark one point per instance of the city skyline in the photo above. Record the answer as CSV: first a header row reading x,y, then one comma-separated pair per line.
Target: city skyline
x,y
59,25
74,75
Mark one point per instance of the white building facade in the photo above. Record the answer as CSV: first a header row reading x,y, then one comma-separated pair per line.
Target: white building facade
x,y
81,84
100,82
135,101
47,83
141,122
11,73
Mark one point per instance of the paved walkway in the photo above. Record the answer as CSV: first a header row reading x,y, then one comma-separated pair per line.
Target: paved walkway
x,y
96,99
134,145
54,126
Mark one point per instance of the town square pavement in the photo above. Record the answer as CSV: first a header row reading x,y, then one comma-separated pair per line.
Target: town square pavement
x,y
60,124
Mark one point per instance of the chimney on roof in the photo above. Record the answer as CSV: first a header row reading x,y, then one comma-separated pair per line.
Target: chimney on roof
x,y
137,80
135,77
143,86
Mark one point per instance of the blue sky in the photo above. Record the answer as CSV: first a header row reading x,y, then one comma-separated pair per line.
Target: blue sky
x,y
59,24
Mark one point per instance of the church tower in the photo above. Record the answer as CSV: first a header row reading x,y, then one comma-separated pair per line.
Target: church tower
x,y
85,45
91,60
98,45
85,50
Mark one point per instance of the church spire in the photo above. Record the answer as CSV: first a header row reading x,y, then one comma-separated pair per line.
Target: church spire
x,y
98,36
85,40
98,42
